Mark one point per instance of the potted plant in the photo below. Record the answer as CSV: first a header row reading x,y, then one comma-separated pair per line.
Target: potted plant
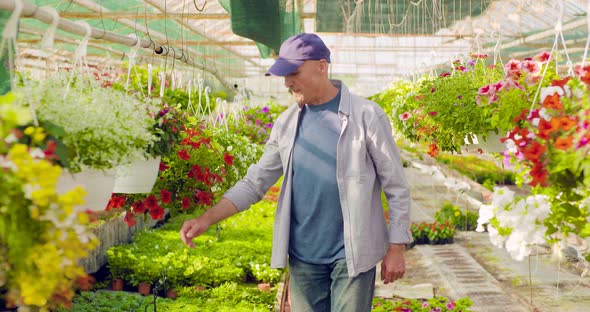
x,y
265,275
471,100
140,176
119,261
144,271
102,128
549,146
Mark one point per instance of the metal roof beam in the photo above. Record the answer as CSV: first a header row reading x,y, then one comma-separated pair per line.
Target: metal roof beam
x,y
152,16
159,36
197,32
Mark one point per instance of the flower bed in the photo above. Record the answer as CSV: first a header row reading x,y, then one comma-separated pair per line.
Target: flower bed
x,y
436,304
236,252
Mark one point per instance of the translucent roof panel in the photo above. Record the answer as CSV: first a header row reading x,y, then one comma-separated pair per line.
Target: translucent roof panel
x,y
372,43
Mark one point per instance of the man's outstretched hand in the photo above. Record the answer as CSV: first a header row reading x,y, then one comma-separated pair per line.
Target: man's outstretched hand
x,y
195,227
191,229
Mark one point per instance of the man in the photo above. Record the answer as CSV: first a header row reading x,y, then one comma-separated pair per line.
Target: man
x,y
336,152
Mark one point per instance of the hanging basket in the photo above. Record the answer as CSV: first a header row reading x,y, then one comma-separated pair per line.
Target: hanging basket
x,y
137,177
97,184
492,144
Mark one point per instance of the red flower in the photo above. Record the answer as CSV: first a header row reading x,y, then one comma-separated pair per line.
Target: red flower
x,y
433,150
166,196
138,207
433,113
182,154
228,159
186,203
539,175
534,152
130,219
151,201
157,212
560,83
163,166
548,127
552,102
523,115
116,202
205,198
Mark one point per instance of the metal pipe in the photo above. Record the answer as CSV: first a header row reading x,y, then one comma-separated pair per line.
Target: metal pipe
x,y
39,13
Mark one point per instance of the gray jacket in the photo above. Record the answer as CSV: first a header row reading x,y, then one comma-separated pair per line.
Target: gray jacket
x,y
367,162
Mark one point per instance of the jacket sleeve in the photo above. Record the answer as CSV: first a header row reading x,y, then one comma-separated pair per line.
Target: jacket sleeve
x,y
259,177
388,166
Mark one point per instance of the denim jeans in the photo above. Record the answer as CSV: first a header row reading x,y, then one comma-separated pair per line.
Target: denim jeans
x,y
327,287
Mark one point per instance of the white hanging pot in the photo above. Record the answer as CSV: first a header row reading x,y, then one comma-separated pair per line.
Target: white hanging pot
x,y
137,177
492,144
97,184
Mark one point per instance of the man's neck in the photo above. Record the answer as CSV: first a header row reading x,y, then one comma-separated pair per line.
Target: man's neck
x,y
326,93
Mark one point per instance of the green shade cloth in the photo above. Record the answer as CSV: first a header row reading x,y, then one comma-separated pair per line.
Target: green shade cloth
x,y
393,17
268,22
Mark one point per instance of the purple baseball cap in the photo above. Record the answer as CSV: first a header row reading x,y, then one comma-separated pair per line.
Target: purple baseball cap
x,y
296,50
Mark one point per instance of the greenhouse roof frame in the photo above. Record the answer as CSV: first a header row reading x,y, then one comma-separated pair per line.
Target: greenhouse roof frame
x,y
367,61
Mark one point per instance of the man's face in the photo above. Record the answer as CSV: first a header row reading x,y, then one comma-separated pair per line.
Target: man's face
x,y
305,81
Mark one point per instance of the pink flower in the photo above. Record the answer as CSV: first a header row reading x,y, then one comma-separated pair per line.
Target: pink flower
x,y
405,116
433,113
479,56
543,57
511,84
487,90
450,305
512,69
531,67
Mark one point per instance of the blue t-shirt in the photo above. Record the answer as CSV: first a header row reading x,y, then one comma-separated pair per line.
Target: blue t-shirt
x,y
317,234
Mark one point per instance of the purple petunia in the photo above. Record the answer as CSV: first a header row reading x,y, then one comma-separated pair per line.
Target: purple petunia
x,y
265,109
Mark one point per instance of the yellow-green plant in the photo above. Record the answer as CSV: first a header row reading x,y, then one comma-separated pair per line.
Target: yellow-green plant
x,y
42,235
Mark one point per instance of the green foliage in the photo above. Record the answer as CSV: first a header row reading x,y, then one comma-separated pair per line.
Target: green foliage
x,y
101,127
461,220
107,301
256,123
242,249
441,304
435,232
473,98
391,99
138,83
477,169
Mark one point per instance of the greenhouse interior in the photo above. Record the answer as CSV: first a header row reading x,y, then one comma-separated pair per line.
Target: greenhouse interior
x,y
255,140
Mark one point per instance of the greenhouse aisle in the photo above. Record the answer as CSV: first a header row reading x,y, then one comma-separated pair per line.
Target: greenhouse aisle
x,y
473,267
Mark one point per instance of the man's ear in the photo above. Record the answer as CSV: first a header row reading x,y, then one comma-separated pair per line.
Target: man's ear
x,y
323,66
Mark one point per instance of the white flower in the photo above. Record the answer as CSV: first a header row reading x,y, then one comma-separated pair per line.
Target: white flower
x,y
544,113
486,213
517,246
495,237
502,196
